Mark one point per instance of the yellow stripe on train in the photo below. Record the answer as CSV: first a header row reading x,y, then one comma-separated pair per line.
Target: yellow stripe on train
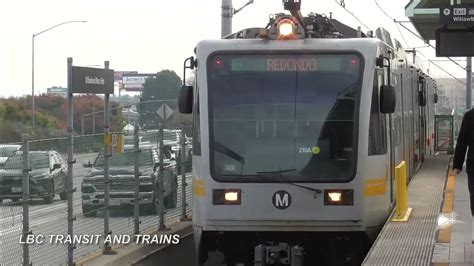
x,y
198,187
375,187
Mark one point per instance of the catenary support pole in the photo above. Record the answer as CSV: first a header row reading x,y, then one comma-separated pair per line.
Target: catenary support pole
x,y
226,17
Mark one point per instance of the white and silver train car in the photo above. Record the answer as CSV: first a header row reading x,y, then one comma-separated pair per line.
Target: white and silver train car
x,y
296,138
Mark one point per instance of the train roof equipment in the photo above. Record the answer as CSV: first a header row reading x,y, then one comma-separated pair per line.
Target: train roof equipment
x,y
292,26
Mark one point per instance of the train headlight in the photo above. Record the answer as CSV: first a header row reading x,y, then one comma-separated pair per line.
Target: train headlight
x,y
335,196
339,197
286,27
231,196
226,197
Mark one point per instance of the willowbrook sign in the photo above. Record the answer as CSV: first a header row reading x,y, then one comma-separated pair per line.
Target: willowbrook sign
x,y
456,38
92,80
457,14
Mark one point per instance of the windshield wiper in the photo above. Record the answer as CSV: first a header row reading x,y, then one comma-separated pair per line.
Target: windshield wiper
x,y
277,172
267,175
315,190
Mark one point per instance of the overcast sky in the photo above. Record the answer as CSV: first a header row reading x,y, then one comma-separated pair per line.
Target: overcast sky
x,y
145,35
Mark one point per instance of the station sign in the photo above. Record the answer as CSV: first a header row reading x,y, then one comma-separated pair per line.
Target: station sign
x,y
457,14
455,43
92,80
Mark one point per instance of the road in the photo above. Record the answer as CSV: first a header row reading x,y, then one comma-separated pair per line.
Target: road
x,y
51,219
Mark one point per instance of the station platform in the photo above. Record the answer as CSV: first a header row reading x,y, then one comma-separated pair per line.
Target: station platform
x,y
439,230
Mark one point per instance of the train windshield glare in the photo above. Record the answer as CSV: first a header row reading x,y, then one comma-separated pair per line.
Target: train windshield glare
x,y
273,112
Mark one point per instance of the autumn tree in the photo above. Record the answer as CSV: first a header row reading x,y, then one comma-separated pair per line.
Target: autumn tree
x,y
84,105
164,89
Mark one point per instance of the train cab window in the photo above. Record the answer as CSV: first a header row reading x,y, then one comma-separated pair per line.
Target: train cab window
x,y
289,117
377,126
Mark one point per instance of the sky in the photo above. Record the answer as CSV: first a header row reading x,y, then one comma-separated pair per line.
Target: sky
x,y
149,35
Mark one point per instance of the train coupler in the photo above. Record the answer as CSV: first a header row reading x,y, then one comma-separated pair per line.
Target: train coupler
x,y
278,254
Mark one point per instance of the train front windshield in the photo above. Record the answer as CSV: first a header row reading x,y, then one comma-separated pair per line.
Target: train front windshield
x,y
283,117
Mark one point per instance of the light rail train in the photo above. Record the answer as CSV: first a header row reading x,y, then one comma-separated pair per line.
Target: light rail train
x,y
298,128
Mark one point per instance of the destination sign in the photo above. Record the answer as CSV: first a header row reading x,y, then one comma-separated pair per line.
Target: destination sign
x,y
288,63
291,64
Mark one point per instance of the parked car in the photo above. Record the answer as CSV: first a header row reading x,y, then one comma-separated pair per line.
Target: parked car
x,y
122,182
46,178
7,150
171,141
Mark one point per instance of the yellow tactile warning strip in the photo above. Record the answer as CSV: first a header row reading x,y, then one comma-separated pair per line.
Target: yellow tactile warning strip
x,y
449,193
444,233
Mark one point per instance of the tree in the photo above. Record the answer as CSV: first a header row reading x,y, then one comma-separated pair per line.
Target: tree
x,y
165,86
84,105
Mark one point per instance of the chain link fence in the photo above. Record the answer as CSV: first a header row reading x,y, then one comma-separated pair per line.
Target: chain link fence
x,y
122,184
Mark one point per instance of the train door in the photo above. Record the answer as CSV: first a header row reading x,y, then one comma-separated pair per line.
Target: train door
x,y
379,143
416,123
413,97
422,121
404,118
408,121
395,135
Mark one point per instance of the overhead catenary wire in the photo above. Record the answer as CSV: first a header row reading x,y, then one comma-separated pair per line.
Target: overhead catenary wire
x,y
400,23
397,22
343,5
401,34
398,28
383,11
458,80
429,44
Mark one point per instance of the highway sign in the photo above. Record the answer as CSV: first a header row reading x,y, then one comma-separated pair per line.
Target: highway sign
x,y
165,111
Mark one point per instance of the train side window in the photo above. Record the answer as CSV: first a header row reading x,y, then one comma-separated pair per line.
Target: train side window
x,y
196,123
377,125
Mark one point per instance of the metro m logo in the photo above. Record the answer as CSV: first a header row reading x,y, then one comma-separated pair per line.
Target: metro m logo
x,y
281,199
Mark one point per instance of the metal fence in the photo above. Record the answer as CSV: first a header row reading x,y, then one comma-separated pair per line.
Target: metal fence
x,y
108,187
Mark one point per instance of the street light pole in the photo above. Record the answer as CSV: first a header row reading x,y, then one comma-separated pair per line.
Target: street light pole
x,y
33,82
33,66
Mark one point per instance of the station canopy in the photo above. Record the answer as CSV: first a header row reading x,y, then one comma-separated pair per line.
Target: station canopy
x,y
424,15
